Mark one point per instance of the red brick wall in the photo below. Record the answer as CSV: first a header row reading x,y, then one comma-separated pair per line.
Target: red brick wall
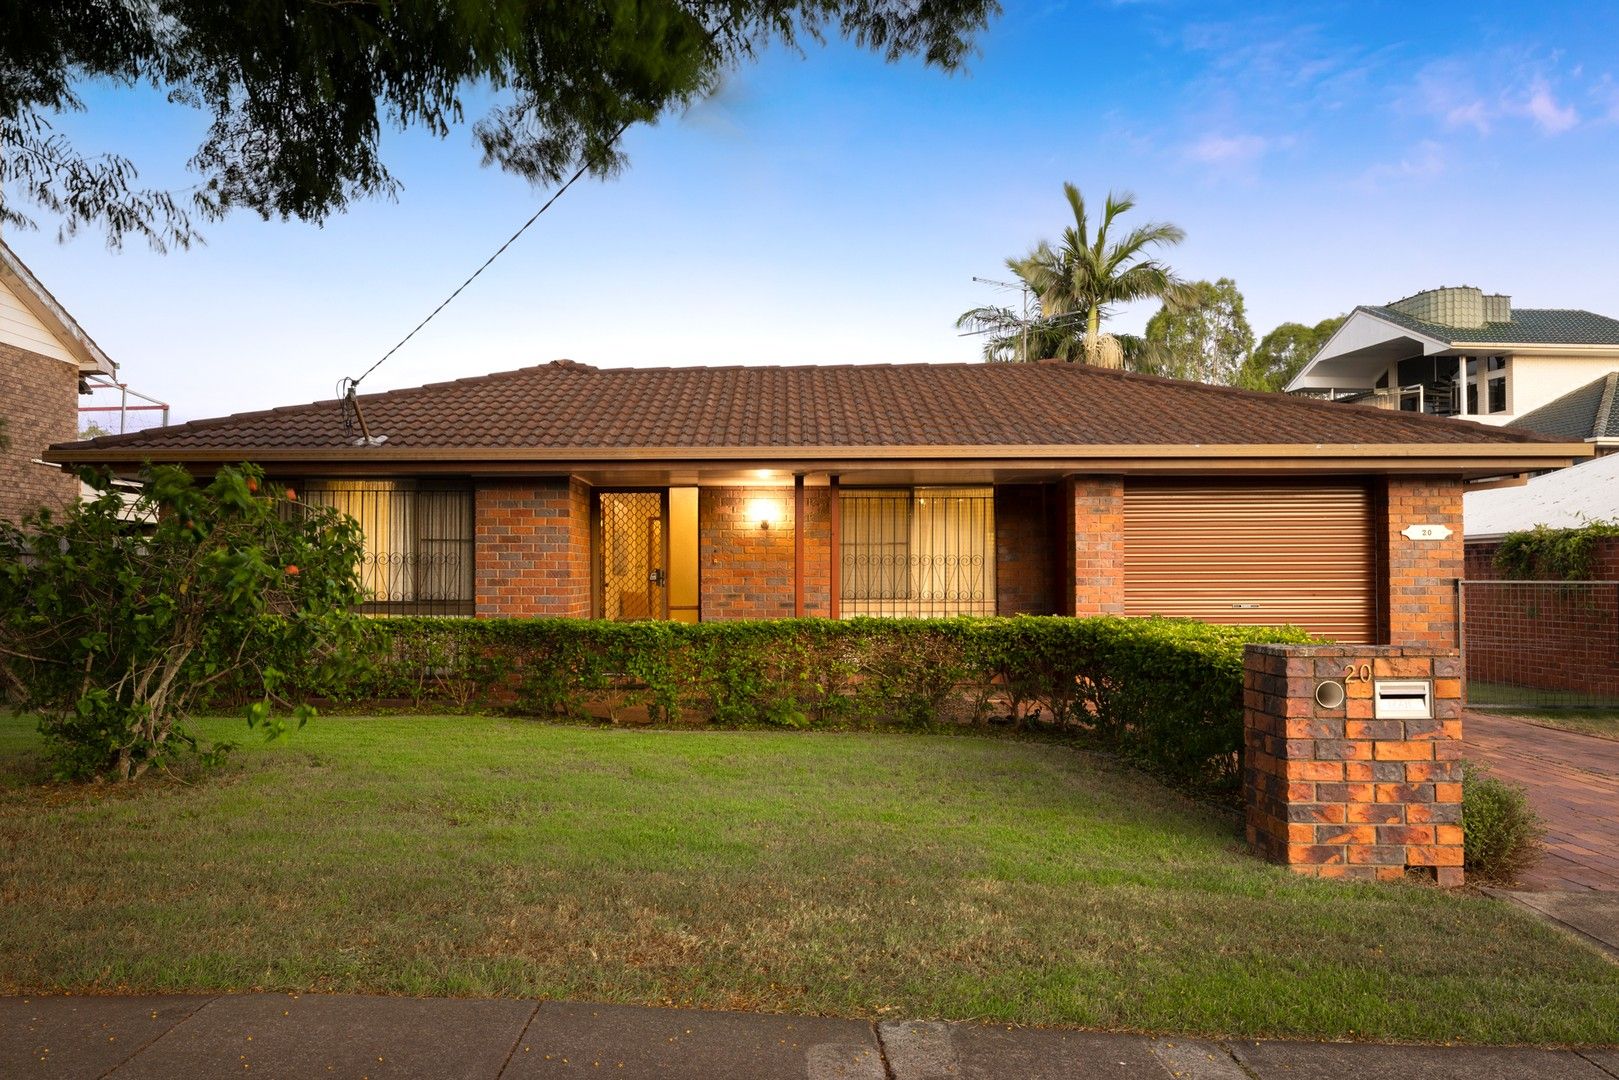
x,y
533,547
39,398
743,571
1094,535
1336,793
1028,530
818,552
1420,595
1551,636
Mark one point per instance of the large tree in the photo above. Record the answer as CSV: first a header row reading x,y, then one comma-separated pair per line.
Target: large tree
x,y
1281,353
1078,284
1206,338
297,92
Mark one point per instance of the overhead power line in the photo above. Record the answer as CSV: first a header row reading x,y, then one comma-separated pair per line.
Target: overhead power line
x,y
349,385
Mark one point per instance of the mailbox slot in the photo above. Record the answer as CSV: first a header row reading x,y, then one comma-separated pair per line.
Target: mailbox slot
x,y
1404,699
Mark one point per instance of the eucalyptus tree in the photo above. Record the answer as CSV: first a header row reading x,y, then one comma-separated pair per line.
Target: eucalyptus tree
x,y
1283,352
1079,283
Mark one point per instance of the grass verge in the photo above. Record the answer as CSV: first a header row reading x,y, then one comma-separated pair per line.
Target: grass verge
x,y
845,874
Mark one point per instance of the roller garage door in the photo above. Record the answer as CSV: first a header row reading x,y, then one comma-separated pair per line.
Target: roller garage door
x,y
1255,554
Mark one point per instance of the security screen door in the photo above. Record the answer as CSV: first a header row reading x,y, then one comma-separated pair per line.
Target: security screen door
x,y
632,555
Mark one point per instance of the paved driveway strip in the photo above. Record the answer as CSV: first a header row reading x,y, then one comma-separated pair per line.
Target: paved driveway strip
x,y
373,1038
1573,782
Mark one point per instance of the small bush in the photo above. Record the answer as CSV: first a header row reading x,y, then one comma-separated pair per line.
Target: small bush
x,y
1502,831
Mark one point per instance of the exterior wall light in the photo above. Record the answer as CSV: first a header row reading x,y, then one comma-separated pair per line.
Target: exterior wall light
x,y
766,512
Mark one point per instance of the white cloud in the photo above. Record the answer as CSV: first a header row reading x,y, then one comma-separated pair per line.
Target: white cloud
x,y
1424,161
1448,91
1214,149
1541,106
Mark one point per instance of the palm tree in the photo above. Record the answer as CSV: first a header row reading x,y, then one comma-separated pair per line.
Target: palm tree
x,y
1077,286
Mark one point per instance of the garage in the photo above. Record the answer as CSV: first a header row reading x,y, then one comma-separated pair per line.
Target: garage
x,y
1256,554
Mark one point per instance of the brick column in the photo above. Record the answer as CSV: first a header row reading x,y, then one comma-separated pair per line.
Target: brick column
x,y
1333,791
1094,528
1421,587
532,547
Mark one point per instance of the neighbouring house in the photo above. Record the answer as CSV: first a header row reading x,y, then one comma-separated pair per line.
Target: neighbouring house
x,y
919,490
1589,414
46,362
1461,352
1565,499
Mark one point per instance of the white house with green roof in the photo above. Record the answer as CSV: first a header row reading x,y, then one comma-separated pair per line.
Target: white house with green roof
x,y
1461,352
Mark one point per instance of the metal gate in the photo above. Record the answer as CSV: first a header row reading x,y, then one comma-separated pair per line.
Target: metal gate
x,y
632,555
1540,644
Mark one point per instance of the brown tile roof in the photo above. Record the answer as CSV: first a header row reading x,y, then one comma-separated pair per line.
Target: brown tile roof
x,y
565,406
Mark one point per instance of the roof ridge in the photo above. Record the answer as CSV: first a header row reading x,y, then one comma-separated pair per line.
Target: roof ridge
x,y
1605,407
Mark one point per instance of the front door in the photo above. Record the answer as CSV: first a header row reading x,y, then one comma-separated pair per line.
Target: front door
x,y
632,555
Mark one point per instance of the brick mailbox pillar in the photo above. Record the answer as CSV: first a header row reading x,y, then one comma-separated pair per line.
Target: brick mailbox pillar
x,y
1352,759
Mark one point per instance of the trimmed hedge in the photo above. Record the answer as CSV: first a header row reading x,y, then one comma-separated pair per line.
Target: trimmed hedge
x,y
1164,692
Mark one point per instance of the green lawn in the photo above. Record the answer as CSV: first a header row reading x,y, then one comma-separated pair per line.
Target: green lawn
x,y
1568,711
1581,721
860,875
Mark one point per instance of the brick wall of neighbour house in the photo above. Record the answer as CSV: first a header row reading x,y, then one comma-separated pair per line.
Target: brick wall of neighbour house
x,y
745,572
39,398
533,547
1337,793
1420,575
1093,545
1028,568
1545,635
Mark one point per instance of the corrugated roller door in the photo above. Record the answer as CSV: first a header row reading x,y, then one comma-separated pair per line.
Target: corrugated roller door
x,y
1261,554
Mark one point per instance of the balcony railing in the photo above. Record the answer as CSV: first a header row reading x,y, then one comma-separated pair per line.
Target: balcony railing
x,y
1436,399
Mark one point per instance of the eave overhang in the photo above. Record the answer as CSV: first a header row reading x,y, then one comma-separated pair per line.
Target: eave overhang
x,y
49,311
1467,459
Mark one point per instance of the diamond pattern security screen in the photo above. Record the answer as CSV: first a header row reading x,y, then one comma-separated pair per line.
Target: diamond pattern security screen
x,y
918,552
631,553
418,542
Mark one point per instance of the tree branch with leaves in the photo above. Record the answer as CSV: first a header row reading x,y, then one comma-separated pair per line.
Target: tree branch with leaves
x,y
298,92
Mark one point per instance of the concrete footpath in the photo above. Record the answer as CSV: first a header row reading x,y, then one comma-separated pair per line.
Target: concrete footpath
x,y
375,1038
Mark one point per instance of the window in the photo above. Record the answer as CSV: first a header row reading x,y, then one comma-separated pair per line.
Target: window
x,y
1486,385
418,542
1498,395
920,552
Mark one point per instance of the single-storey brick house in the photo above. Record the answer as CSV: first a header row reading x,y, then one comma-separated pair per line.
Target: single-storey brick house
x,y
757,492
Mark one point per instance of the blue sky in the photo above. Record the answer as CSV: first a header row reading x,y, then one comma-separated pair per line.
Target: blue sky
x,y
833,209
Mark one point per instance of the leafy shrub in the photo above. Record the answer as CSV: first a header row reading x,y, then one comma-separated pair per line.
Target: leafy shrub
x,y
1547,554
1502,832
1164,692
116,621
